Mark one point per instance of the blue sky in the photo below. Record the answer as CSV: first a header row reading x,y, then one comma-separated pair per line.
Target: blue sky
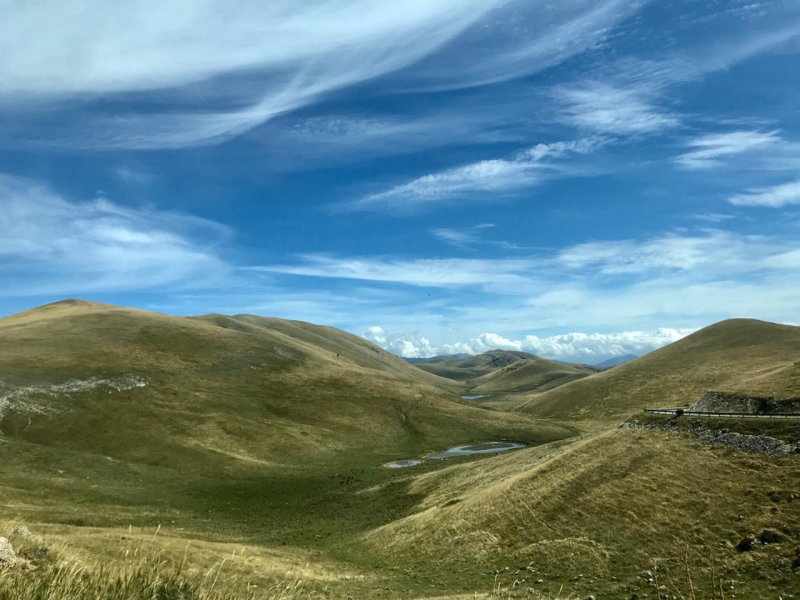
x,y
578,180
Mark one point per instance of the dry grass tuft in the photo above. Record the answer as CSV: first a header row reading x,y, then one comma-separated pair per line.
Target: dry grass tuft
x,y
51,570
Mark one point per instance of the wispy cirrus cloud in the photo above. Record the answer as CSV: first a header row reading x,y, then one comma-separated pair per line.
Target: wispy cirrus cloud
x,y
51,245
712,252
434,272
707,151
528,167
609,109
463,237
777,196
203,71
701,257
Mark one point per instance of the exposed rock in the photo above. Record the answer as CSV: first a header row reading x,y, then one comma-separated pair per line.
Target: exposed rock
x,y
747,543
739,403
7,555
771,536
751,443
38,549
24,532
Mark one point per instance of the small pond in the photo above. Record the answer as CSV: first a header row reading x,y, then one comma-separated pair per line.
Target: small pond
x,y
399,464
482,448
474,397
466,450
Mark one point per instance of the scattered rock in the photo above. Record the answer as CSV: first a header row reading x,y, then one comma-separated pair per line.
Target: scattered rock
x,y
751,443
39,550
771,536
738,403
23,532
746,544
7,555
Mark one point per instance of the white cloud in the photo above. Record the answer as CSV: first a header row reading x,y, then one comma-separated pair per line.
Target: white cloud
x,y
714,251
712,217
443,272
134,175
51,245
408,346
607,109
773,197
460,238
572,347
707,150
212,69
703,256
525,168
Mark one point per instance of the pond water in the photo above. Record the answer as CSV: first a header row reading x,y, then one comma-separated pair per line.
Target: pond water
x,y
482,448
466,450
474,397
399,464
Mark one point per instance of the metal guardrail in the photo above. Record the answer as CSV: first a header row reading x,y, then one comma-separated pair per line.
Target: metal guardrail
x,y
697,413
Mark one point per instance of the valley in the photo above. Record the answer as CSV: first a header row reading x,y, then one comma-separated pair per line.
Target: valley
x,y
263,445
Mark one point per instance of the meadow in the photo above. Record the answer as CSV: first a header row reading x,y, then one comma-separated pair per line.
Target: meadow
x,y
237,457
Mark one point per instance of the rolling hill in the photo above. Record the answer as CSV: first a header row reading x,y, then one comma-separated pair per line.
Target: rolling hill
x,y
436,359
217,393
534,374
472,367
594,516
738,355
262,442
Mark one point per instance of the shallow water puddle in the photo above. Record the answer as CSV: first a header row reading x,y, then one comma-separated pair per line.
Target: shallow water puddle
x,y
466,450
399,464
474,397
483,448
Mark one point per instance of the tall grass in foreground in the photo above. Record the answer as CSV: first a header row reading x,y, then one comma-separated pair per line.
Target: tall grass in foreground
x,y
141,572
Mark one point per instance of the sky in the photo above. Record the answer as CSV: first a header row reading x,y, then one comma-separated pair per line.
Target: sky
x,y
577,179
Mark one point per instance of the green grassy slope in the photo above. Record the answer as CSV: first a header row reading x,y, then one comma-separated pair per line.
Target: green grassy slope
x,y
592,515
738,355
218,394
348,348
537,374
465,369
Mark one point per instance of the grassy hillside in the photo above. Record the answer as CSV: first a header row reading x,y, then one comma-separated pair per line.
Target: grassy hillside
x,y
474,366
738,355
260,442
593,515
537,374
229,431
217,393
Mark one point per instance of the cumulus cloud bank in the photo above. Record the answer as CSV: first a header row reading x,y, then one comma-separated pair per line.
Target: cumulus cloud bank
x,y
572,347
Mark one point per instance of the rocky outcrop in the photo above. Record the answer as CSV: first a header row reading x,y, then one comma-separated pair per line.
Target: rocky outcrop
x,y
7,555
722,402
750,443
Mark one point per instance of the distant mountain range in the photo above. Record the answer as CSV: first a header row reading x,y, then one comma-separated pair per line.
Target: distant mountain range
x,y
616,360
436,359
606,364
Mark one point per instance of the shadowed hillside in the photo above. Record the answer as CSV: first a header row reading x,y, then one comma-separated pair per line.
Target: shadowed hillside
x,y
738,355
